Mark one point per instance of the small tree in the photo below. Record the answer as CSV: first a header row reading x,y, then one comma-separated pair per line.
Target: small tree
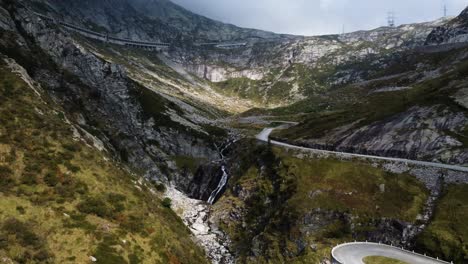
x,y
167,202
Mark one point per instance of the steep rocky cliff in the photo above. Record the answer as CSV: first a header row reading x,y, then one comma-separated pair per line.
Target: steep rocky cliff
x,y
147,20
142,127
64,199
455,31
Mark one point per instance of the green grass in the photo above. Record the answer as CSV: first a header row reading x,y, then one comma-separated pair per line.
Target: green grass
x,y
353,186
310,81
446,236
382,260
61,201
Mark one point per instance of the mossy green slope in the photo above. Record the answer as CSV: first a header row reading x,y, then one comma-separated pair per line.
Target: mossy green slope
x,y
447,235
62,201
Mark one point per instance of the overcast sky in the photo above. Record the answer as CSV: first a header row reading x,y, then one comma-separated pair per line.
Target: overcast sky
x,y
314,17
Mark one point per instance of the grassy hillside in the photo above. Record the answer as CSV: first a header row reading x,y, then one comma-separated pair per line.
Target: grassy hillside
x,y
297,208
447,235
62,201
357,101
279,86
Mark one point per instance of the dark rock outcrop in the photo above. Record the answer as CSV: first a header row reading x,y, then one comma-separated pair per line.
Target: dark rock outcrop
x,y
453,32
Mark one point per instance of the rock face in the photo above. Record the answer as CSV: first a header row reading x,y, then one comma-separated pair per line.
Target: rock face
x,y
147,20
196,26
117,17
299,64
415,134
140,126
455,31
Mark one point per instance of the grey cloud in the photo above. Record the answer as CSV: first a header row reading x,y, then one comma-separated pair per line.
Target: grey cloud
x,y
314,17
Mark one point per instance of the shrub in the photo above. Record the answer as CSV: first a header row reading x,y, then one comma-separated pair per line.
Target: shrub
x,y
51,179
134,259
66,156
80,187
73,147
160,187
72,167
20,209
106,253
94,205
116,200
23,233
167,202
70,187
3,242
78,220
6,178
11,156
134,224
28,178
42,256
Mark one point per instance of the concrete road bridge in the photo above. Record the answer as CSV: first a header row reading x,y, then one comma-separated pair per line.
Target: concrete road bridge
x,y
132,43
105,37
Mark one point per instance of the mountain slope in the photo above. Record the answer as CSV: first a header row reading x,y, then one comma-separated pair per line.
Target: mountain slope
x,y
147,20
272,73
271,70
418,114
454,32
56,203
147,128
154,132
409,103
117,17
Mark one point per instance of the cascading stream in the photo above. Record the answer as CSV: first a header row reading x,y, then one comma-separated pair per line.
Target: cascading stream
x,y
220,186
225,176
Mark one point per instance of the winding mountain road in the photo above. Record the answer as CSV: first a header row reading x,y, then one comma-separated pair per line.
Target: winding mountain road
x,y
265,135
354,253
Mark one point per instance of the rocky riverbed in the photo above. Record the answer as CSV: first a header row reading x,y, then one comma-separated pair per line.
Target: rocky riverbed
x,y
196,215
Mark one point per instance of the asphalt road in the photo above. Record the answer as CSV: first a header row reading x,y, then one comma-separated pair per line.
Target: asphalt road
x,y
354,253
264,135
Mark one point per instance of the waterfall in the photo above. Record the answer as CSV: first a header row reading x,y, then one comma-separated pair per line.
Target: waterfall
x,y
220,186
225,176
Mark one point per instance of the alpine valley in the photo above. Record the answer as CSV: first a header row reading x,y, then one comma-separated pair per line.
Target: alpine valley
x,y
135,131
